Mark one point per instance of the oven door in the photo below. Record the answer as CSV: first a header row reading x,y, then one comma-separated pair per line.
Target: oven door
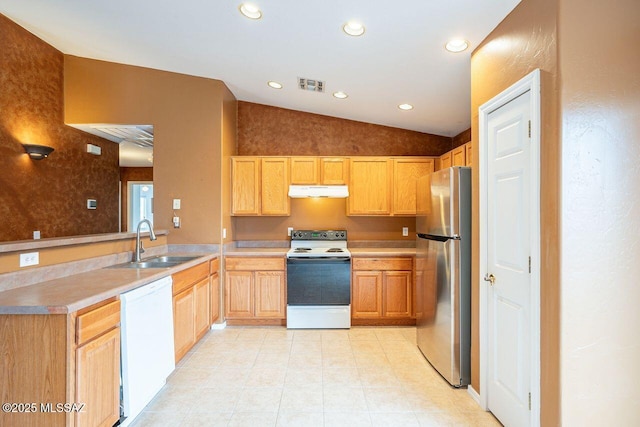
x,y
319,281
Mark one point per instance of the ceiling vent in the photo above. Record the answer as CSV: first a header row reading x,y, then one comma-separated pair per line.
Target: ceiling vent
x,y
310,85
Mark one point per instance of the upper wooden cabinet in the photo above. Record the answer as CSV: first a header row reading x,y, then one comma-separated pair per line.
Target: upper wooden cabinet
x,y
260,186
370,186
334,171
275,186
319,171
468,151
304,171
458,156
405,174
445,160
245,186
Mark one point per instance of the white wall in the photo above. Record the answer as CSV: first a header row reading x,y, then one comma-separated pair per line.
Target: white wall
x,y
600,262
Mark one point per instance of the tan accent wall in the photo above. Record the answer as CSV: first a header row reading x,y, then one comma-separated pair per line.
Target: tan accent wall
x,y
270,131
187,115
10,261
324,214
229,148
48,195
127,175
600,107
525,40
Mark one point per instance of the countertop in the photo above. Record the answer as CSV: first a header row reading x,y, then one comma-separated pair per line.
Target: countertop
x,y
257,251
72,293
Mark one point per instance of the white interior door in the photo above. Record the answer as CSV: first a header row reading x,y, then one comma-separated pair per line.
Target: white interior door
x,y
508,249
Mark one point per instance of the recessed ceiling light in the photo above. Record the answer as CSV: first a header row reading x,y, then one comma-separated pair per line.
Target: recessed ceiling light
x,y
250,11
274,85
340,95
405,107
457,45
353,28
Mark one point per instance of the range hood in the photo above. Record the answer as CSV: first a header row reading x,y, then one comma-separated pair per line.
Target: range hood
x,y
334,191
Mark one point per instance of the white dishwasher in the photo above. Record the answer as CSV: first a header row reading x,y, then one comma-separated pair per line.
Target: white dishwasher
x,y
146,344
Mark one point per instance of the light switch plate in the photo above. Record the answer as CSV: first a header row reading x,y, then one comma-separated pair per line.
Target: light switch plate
x,y
289,231
176,203
405,231
29,259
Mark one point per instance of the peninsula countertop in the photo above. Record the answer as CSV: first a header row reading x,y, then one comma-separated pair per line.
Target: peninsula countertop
x,y
72,293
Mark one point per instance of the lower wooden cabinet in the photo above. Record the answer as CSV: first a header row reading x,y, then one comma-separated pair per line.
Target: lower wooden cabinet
x,y
191,299
382,291
255,289
98,380
62,358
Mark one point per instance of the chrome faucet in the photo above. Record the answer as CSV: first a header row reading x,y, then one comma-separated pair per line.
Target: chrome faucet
x,y
139,247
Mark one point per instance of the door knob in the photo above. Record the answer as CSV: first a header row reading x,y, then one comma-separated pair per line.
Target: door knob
x,y
490,278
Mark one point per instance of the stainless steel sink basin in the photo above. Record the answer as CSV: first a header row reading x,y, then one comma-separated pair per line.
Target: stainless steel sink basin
x,y
145,264
156,262
168,258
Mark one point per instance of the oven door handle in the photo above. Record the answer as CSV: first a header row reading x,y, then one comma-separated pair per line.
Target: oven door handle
x,y
317,259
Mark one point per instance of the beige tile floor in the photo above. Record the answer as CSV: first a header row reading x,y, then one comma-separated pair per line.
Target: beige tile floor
x,y
271,376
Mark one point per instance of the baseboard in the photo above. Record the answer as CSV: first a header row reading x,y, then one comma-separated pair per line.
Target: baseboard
x,y
474,394
219,325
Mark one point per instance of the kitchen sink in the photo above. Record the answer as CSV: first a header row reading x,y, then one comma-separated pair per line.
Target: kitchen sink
x,y
174,259
156,262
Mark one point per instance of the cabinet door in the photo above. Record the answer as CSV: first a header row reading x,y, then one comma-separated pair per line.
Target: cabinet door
x,y
183,322
468,154
366,294
396,294
201,295
269,294
238,294
275,186
370,186
215,297
458,156
405,175
445,160
98,380
245,186
304,170
334,171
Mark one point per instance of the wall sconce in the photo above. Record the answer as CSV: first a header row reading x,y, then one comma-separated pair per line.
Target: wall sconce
x,y
37,152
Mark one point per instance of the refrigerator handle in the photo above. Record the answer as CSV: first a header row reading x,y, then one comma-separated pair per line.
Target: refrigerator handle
x,y
437,238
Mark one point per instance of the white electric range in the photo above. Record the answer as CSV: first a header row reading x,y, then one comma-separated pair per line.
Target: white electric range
x,y
318,280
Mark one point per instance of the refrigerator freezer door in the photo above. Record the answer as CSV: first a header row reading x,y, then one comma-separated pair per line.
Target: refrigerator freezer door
x,y
439,214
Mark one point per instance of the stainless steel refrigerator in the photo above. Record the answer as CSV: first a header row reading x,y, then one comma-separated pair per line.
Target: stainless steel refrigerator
x,y
443,272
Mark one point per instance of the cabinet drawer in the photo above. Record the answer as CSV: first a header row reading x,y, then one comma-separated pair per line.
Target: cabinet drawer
x,y
215,266
254,264
382,263
95,322
183,279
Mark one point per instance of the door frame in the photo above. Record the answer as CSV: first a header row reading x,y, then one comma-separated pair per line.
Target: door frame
x,y
531,83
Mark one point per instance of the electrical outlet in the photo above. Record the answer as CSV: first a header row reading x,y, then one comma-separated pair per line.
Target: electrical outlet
x,y
176,222
36,235
289,231
32,258
405,231
224,233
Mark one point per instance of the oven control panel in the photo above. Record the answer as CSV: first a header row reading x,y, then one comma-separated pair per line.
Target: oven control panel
x,y
319,235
